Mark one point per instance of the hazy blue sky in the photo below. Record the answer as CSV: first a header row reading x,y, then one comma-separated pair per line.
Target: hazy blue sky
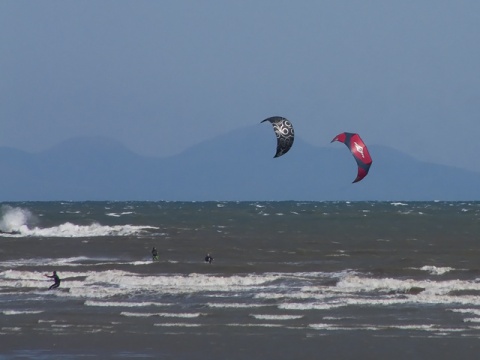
x,y
161,76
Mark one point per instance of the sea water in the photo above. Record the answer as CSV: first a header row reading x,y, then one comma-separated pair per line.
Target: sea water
x,y
360,280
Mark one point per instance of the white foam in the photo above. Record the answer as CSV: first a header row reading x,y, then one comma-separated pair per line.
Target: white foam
x,y
23,312
305,293
170,315
323,326
276,317
76,261
180,315
467,311
71,230
432,328
413,327
119,214
434,270
14,218
189,283
33,279
142,262
132,314
354,284
308,306
235,305
96,285
11,328
472,320
123,304
100,288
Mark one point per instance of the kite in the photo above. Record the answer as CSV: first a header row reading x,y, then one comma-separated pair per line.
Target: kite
x,y
359,152
284,132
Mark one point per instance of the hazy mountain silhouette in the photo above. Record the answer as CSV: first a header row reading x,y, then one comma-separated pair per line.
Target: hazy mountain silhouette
x,y
236,166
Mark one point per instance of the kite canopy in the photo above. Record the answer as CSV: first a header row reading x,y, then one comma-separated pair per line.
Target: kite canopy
x,y
284,132
359,151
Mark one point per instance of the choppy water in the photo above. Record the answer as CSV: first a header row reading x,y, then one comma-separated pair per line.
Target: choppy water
x,y
342,280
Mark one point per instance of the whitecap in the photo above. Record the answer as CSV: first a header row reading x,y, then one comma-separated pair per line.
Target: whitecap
x,y
235,305
171,315
21,312
119,214
14,218
467,311
71,230
13,328
142,262
123,303
308,306
472,320
434,270
132,314
276,317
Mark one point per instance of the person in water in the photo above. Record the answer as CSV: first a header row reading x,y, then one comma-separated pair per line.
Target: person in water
x,y
55,278
154,254
208,258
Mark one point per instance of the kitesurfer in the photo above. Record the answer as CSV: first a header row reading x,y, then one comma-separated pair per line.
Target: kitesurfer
x,y
55,278
208,258
154,254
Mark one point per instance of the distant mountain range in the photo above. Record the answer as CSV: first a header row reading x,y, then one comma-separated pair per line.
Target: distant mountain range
x,y
237,166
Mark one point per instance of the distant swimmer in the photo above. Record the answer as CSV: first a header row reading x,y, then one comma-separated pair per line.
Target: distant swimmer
x,y
55,278
208,258
154,254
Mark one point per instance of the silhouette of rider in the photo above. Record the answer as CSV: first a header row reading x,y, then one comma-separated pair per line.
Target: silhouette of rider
x,y
208,258
154,254
55,278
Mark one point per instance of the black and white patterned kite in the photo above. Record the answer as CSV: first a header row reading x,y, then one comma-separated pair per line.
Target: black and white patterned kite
x,y
284,132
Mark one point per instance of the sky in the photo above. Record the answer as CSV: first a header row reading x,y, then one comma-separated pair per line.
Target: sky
x,y
162,76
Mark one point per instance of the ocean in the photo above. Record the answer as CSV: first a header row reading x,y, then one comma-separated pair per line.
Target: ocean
x,y
303,280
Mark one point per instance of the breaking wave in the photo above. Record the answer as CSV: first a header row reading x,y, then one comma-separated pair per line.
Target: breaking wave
x,y
95,229
18,222
14,218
